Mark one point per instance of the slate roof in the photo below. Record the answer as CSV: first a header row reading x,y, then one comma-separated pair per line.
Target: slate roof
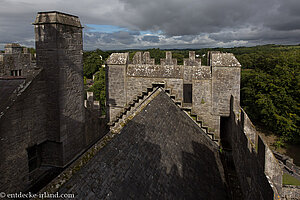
x,y
160,154
7,87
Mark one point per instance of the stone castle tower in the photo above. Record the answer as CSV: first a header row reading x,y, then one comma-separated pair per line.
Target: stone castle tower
x,y
204,90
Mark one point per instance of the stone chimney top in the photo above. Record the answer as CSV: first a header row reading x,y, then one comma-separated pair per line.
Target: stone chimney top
x,y
55,17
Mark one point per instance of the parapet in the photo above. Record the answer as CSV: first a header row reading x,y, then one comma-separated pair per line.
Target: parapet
x,y
13,48
118,59
218,59
215,59
138,58
12,45
192,60
90,103
145,59
54,17
168,60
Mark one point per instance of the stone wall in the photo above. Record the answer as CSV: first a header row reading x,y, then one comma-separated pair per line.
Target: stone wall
x,y
259,172
212,85
95,127
290,192
95,123
15,61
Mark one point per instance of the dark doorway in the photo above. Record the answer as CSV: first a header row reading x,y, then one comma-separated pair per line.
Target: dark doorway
x,y
225,132
187,93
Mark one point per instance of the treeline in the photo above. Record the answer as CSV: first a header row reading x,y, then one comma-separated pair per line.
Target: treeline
x,y
270,88
270,91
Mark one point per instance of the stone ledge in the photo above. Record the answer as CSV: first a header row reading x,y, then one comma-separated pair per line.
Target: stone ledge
x,y
54,17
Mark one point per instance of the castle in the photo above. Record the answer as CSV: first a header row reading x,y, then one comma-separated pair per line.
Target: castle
x,y
204,90
168,124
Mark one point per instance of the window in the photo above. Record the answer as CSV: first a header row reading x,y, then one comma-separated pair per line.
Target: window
x,y
34,158
187,93
16,72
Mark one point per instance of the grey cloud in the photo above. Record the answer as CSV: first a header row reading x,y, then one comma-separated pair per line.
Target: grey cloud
x,y
187,38
149,38
221,21
123,37
258,36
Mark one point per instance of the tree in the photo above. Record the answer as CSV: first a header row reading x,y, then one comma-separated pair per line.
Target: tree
x,y
98,88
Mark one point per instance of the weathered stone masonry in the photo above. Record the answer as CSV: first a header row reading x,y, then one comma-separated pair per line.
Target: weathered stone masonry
x,y
43,122
16,61
259,172
212,85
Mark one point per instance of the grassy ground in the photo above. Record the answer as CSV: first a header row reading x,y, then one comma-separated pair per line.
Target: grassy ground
x,y
289,180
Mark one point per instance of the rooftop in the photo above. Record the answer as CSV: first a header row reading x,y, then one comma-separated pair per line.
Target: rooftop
x,y
160,153
7,86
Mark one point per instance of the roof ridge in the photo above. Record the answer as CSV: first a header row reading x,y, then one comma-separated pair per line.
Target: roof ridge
x,y
12,98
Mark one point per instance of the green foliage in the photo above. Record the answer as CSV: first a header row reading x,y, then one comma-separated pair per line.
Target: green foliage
x,y
98,87
279,144
92,61
32,50
287,179
157,54
270,93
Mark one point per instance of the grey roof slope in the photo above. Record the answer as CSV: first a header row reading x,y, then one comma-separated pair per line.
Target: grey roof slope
x,y
160,154
11,88
7,87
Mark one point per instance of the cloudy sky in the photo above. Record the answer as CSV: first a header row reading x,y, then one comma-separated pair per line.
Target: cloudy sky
x,y
125,24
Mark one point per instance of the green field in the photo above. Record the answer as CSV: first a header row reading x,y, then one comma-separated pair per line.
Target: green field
x,y
287,179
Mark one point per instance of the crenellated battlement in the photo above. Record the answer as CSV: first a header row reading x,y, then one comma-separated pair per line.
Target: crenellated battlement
x,y
205,90
168,60
89,103
16,61
15,48
215,59
192,60
139,59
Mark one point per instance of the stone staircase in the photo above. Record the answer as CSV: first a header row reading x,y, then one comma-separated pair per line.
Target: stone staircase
x,y
127,113
192,115
200,123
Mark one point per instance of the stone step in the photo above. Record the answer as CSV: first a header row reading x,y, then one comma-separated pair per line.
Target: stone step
x,y
200,123
116,125
178,103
